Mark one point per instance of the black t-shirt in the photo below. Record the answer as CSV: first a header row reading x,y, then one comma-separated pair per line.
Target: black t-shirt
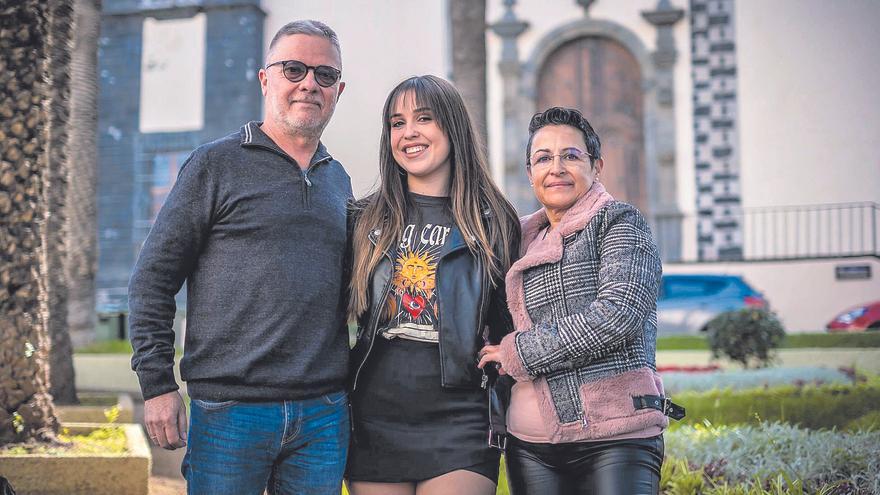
x,y
411,311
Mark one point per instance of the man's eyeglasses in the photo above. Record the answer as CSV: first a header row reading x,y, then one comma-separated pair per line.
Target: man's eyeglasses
x,y
296,71
570,157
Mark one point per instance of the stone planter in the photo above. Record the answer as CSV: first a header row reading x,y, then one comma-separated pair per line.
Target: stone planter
x,y
93,474
92,406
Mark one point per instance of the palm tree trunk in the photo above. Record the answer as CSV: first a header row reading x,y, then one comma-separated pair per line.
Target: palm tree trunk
x,y
59,45
26,409
468,34
82,173
79,232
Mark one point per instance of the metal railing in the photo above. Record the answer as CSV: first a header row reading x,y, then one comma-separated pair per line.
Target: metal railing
x,y
838,230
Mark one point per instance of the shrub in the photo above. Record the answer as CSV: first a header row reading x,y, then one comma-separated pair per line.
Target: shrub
x,y
791,459
825,406
746,336
678,478
867,422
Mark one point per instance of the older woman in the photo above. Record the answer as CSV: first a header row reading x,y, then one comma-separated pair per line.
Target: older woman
x,y
587,409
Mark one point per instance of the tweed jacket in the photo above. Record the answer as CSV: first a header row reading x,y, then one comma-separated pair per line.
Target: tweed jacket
x,y
584,305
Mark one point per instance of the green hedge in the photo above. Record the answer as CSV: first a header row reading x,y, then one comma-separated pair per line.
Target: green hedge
x,y
791,341
826,406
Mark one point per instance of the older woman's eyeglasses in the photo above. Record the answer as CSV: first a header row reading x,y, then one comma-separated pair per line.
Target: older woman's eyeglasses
x,y
296,71
570,158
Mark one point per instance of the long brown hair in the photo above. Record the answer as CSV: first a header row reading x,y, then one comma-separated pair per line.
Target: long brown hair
x,y
487,221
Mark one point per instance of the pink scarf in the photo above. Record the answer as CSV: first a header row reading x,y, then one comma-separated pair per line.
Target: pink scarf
x,y
549,249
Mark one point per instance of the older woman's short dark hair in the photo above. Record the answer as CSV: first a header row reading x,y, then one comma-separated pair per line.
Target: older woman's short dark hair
x,y
565,116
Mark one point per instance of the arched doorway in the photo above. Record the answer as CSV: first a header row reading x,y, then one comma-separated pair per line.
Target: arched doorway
x,y
600,77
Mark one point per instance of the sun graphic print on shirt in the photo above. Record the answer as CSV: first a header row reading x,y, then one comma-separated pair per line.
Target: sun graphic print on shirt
x,y
411,308
414,281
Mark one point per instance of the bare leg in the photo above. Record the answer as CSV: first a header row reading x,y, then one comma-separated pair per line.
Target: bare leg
x,y
371,488
459,482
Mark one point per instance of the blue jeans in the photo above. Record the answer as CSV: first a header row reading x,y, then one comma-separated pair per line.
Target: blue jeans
x,y
283,447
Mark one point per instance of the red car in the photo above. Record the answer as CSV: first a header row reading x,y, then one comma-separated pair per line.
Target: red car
x,y
857,319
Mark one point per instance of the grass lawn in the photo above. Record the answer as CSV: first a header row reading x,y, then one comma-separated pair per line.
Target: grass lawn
x,y
114,346
106,347
791,341
669,343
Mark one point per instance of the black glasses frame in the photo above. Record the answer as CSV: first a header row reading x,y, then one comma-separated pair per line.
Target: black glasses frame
x,y
337,74
530,163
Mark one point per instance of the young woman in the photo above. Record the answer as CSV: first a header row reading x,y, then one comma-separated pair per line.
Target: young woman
x,y
430,249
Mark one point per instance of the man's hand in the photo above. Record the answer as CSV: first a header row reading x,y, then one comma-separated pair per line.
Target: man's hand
x,y
165,418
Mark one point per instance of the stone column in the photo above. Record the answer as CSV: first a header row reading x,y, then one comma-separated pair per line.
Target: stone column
x,y
666,217
515,182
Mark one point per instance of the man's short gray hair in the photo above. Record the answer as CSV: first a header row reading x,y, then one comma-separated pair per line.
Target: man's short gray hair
x,y
309,27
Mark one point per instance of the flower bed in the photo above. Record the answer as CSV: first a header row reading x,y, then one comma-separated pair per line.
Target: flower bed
x,y
709,459
688,369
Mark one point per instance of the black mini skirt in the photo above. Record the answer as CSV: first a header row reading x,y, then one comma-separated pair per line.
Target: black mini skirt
x,y
407,427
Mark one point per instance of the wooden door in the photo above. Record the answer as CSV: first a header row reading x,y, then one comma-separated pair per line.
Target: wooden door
x,y
602,79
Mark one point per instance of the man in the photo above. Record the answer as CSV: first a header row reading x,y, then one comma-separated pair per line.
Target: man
x,y
255,225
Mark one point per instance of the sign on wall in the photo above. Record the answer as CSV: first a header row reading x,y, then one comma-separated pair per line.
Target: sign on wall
x,y
852,272
173,75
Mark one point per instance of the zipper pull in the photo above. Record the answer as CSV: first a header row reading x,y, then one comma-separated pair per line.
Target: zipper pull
x,y
484,382
306,178
584,421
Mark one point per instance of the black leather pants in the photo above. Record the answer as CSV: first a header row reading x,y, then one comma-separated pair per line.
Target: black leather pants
x,y
624,467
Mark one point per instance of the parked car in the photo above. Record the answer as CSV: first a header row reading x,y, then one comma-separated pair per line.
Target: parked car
x,y
857,319
688,302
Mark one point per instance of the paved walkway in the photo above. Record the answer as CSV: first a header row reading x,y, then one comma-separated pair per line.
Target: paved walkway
x,y
167,486
863,359
109,373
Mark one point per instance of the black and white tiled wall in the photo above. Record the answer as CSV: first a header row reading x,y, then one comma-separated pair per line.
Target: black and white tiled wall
x,y
716,155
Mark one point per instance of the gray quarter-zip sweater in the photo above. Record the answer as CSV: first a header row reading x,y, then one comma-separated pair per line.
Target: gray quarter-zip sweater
x,y
260,243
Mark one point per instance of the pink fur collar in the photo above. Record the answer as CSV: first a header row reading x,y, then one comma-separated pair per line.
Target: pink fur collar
x,y
548,250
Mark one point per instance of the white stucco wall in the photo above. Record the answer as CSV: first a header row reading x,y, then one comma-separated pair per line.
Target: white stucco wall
x,y
383,42
809,128
809,104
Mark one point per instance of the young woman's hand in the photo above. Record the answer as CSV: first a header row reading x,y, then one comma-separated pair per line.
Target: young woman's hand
x,y
491,354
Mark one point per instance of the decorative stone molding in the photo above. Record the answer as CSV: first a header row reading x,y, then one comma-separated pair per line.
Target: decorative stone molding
x,y
664,18
586,4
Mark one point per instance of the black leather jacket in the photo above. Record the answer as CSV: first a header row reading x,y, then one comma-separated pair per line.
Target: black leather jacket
x,y
469,306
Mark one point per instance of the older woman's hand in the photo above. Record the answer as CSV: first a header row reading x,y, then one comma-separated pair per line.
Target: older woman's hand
x,y
492,354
